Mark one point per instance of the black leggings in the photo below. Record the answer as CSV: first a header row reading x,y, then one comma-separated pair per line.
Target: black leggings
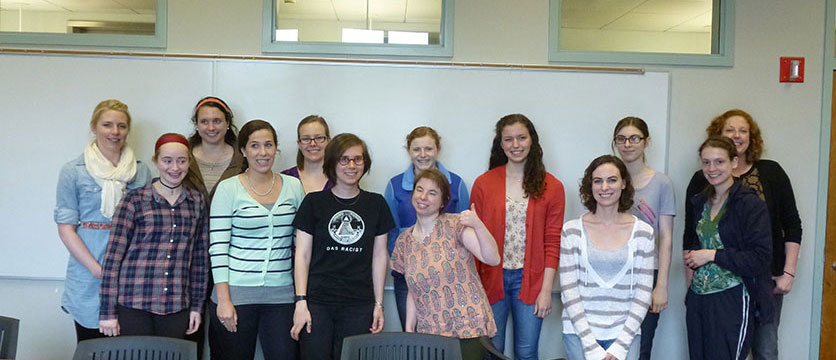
x,y
269,322
82,333
139,322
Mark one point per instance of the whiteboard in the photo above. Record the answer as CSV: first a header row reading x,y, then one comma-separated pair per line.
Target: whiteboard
x,y
46,102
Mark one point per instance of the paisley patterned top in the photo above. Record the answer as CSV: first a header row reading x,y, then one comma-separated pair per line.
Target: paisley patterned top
x,y
711,278
441,275
513,256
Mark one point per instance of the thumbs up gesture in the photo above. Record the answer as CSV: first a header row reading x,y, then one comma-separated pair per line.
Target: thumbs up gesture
x,y
469,218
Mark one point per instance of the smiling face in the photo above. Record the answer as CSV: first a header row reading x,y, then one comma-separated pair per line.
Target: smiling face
x,y
260,151
427,198
350,166
716,165
516,142
424,153
211,125
309,133
172,161
607,185
737,129
111,130
628,151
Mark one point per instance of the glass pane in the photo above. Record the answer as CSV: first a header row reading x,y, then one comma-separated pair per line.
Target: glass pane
x,y
134,17
414,22
648,26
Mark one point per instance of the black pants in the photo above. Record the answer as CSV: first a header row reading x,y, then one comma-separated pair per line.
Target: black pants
x,y
138,322
330,324
82,333
270,323
719,324
651,320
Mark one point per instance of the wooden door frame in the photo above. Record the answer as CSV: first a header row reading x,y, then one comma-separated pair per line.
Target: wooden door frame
x,y
829,66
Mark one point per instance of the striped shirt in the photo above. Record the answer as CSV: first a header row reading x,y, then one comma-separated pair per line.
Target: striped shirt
x,y
250,244
156,258
595,309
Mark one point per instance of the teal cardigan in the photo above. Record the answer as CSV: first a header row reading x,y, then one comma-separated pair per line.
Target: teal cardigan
x,y
250,245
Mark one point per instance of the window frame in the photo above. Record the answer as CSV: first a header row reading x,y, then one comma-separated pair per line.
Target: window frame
x,y
722,44
269,45
158,40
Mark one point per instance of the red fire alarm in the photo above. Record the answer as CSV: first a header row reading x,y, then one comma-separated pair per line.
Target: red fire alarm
x,y
792,69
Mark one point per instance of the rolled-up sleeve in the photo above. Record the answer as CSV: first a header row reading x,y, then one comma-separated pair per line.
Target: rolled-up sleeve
x,y
66,197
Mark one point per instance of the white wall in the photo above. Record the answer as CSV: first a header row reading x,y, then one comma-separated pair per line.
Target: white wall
x,y
516,32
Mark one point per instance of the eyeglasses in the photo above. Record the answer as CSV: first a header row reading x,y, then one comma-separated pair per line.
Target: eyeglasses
x,y
344,160
635,139
319,139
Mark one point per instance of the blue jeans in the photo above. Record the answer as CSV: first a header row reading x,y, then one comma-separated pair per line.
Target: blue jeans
x,y
401,291
765,335
651,320
574,348
526,324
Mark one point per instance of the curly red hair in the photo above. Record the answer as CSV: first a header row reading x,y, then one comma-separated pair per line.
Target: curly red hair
x,y
755,150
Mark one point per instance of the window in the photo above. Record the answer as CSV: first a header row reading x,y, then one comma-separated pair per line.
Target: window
x,y
129,23
374,27
676,32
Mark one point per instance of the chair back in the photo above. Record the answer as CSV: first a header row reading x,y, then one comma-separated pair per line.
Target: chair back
x,y
400,346
136,348
8,337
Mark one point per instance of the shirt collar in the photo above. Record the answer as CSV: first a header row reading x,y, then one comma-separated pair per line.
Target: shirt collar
x,y
409,176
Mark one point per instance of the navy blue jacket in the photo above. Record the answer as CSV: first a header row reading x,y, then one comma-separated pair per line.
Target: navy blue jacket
x,y
747,239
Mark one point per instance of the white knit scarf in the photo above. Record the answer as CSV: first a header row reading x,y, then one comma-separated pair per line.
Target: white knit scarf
x,y
112,179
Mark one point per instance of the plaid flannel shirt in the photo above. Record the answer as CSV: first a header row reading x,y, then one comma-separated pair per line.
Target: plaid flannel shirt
x,y
157,257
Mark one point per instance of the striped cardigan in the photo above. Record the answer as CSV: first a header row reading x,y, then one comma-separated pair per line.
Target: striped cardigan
x,y
595,309
249,244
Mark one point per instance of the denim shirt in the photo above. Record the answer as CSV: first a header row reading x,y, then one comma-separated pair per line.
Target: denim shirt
x,y
79,200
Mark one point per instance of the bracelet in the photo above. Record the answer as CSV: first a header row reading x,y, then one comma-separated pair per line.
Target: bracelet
x,y
299,298
378,304
790,274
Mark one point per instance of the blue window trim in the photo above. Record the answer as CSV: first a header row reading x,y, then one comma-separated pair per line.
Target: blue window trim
x,y
269,45
158,40
723,46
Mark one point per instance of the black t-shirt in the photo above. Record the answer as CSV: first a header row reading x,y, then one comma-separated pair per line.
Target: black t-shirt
x,y
343,230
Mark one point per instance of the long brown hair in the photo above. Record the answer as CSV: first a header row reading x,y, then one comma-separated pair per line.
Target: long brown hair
x,y
300,159
534,172
625,202
217,103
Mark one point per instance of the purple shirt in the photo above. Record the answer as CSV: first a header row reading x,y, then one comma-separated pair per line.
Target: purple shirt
x,y
294,171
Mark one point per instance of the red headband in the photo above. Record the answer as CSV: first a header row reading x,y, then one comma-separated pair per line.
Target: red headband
x,y
167,138
214,101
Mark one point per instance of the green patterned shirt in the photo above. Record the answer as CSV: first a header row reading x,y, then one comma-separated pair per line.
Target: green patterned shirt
x,y
712,278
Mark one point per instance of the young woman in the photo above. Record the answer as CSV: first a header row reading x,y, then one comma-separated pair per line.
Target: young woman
x,y
215,158
771,183
154,274
653,203
251,240
522,207
423,145
89,189
727,249
312,136
606,268
213,146
340,255
458,306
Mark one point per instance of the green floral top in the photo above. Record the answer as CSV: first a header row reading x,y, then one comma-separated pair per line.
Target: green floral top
x,y
712,278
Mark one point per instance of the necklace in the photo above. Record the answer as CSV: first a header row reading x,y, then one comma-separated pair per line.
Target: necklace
x,y
424,234
252,188
170,187
346,203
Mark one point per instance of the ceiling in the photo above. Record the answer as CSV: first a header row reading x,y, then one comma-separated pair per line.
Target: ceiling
x,y
143,7
638,15
396,11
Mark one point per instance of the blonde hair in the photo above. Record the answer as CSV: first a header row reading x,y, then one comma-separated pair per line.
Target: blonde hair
x,y
106,105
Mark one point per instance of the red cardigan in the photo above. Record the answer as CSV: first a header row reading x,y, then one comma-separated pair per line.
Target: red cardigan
x,y
543,224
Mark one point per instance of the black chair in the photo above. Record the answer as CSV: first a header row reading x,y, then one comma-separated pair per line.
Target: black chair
x,y
400,346
492,352
136,348
8,337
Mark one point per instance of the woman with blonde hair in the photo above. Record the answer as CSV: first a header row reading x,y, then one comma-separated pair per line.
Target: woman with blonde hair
x,y
89,189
